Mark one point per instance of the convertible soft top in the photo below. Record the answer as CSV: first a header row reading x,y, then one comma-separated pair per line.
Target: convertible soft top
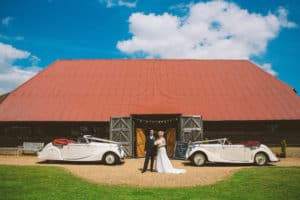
x,y
251,143
62,141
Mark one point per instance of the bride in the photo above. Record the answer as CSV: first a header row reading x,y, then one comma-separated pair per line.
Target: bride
x,y
163,164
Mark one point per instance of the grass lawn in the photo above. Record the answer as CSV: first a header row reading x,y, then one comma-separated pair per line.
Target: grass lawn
x,y
35,182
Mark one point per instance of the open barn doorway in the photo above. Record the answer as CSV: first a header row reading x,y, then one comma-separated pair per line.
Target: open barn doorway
x,y
132,130
144,123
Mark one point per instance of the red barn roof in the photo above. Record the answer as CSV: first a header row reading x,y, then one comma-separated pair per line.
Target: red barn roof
x,y
94,90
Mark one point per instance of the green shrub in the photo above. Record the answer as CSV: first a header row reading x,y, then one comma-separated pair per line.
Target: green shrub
x,y
206,141
283,146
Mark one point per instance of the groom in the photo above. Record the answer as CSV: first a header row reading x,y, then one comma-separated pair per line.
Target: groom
x,y
150,150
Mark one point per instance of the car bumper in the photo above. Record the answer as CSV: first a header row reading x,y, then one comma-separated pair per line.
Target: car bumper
x,y
275,160
273,157
122,155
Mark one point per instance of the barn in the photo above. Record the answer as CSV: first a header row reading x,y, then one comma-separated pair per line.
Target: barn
x,y
122,99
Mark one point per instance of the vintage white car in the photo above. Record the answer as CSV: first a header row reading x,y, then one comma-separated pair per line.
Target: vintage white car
x,y
87,148
222,151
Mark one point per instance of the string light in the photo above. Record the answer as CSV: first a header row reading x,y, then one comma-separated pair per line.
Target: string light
x,y
157,122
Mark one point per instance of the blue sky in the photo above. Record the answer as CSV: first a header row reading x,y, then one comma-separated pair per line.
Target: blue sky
x,y
33,34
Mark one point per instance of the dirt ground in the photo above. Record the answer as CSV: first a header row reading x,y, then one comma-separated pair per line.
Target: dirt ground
x,y
290,151
129,173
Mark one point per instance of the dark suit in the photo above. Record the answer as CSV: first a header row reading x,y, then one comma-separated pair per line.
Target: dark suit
x,y
150,149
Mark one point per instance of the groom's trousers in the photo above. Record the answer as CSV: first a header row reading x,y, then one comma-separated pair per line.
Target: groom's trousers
x,y
149,156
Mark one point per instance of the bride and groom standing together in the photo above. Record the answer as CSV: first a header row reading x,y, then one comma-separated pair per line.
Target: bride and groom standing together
x,y
163,163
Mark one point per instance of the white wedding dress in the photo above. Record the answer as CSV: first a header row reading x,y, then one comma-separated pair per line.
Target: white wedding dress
x,y
163,164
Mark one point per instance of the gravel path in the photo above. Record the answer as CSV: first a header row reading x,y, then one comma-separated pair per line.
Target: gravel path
x,y
129,172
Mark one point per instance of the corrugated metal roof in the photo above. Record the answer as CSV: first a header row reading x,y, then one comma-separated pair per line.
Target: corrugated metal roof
x,y
94,90
3,96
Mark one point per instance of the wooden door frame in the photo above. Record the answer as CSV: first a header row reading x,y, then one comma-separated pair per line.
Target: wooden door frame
x,y
180,129
133,116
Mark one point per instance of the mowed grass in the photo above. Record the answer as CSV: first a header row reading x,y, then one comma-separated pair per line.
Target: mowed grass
x,y
36,182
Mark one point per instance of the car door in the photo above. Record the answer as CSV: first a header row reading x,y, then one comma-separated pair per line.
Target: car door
x,y
213,151
76,151
237,153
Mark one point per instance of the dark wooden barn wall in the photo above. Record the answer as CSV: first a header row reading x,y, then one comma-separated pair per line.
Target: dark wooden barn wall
x,y
14,134
267,132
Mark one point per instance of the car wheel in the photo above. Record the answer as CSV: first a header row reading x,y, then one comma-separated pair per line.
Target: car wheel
x,y
260,159
199,159
110,159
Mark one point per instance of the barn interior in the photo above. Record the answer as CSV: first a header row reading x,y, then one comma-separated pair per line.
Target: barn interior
x,y
144,123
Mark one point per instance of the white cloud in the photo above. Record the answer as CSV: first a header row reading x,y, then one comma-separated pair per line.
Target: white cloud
x,y
127,4
268,68
113,3
8,53
6,21
5,37
282,15
211,30
12,75
181,7
34,60
108,3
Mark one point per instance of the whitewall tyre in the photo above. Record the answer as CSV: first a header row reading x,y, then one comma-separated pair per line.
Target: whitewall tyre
x,y
260,159
110,159
199,159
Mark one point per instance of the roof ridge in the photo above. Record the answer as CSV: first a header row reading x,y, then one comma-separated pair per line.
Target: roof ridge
x,y
154,59
273,77
34,77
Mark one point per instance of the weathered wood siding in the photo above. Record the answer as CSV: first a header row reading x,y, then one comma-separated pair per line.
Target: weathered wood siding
x,y
14,134
267,132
